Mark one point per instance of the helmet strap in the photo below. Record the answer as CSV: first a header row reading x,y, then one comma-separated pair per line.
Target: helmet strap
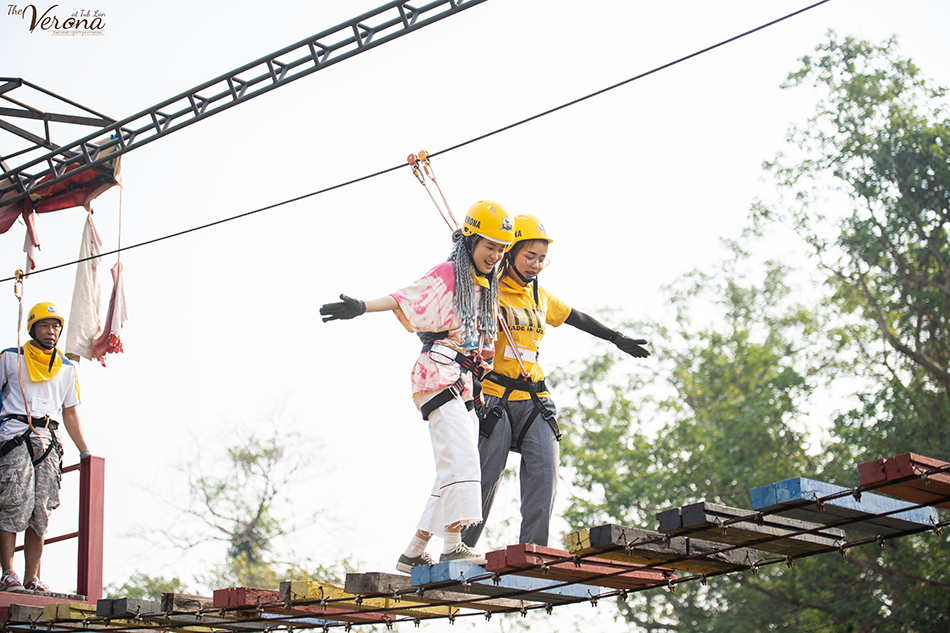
x,y
526,280
41,343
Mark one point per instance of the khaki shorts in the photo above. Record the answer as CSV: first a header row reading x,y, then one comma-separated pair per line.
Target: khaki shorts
x,y
29,494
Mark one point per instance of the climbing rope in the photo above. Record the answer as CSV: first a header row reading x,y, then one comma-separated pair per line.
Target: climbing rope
x,y
19,276
422,167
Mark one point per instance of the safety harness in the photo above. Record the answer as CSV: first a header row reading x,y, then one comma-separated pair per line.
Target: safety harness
x,y
24,438
490,418
470,363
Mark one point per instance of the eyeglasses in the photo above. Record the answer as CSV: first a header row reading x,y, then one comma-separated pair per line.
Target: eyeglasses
x,y
532,261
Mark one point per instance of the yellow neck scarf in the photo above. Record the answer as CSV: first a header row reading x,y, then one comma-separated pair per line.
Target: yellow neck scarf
x,y
38,362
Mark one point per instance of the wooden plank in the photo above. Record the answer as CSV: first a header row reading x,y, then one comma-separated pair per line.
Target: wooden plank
x,y
578,542
68,611
524,560
126,607
633,545
383,583
185,602
457,577
931,490
707,518
309,591
130,608
243,597
24,613
235,599
790,498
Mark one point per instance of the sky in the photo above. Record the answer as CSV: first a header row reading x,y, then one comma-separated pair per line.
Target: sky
x,y
636,186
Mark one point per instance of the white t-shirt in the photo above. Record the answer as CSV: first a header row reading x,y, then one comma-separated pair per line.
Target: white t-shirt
x,y
46,398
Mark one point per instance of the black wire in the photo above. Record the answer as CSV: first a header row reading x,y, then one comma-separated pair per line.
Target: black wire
x,y
443,151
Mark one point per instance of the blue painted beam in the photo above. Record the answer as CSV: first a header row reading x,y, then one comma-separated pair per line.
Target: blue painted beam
x,y
444,575
787,497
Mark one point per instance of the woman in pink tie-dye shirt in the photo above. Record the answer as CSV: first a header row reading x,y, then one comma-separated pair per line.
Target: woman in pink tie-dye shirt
x,y
454,309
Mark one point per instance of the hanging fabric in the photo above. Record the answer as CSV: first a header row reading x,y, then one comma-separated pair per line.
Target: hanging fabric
x,y
84,313
109,342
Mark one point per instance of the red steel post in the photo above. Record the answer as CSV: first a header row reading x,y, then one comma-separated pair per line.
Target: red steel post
x,y
92,483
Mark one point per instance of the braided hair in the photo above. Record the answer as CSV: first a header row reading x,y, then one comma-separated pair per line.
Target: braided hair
x,y
464,298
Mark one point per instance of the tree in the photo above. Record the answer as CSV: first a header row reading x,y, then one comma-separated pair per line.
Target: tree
x,y
733,390
237,499
880,136
726,419
142,586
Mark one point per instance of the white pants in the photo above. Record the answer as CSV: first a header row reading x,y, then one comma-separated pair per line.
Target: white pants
x,y
456,495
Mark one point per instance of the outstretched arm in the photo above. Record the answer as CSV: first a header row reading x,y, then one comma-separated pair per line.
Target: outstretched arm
x,y
592,326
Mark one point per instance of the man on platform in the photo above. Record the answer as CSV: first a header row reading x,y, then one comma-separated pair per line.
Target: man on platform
x,y
39,390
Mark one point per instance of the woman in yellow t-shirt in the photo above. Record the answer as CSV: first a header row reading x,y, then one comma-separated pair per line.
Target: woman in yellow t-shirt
x,y
518,413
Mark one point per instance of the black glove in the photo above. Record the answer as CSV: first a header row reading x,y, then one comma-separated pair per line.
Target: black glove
x,y
346,309
630,346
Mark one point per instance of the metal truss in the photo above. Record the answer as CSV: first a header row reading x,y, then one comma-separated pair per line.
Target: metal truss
x,y
114,138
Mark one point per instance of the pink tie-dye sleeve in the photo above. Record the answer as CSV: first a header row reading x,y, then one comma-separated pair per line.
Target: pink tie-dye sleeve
x,y
426,304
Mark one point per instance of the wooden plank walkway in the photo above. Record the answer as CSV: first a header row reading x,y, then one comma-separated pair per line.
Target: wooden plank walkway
x,y
309,591
633,545
525,559
708,519
458,577
130,610
931,489
791,498
599,561
268,601
383,583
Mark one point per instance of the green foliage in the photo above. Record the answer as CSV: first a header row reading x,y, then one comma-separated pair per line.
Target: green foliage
x,y
238,572
721,410
237,505
236,499
882,134
143,586
725,418
729,420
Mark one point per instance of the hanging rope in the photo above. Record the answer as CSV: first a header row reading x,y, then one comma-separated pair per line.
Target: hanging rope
x,y
414,162
430,172
19,276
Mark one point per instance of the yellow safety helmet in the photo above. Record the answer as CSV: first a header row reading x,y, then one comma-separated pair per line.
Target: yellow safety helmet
x,y
529,227
44,310
491,221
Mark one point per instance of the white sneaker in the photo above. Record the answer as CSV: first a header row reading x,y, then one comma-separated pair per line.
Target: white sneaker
x,y
10,582
463,554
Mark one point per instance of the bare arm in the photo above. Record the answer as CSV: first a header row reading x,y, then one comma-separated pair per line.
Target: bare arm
x,y
74,428
383,304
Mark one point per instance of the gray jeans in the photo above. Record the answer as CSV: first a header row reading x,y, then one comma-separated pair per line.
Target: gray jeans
x,y
540,456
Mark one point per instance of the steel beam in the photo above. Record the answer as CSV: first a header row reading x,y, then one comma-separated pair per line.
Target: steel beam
x,y
307,56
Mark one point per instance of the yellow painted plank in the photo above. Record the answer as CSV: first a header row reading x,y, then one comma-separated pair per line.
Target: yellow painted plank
x,y
308,591
68,611
579,542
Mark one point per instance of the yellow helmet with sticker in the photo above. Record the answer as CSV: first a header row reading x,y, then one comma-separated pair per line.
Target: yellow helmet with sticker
x,y
44,310
491,221
529,227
